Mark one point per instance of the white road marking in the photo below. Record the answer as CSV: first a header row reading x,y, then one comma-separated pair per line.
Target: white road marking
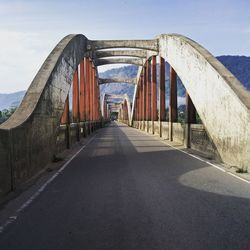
x,y
12,218
238,177
200,159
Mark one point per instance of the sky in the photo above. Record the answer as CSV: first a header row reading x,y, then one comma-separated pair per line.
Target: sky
x,y
30,29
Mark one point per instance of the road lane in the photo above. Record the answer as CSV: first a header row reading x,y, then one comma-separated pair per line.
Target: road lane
x,y
128,190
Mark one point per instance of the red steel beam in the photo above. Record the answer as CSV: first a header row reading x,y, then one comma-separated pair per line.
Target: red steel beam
x,y
162,90
86,62
75,97
148,107
154,90
173,109
82,92
190,110
65,115
141,97
144,92
91,91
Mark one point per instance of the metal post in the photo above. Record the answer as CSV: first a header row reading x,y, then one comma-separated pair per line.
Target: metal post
x,y
173,109
162,94
154,93
66,121
190,118
82,92
144,95
87,99
148,93
75,103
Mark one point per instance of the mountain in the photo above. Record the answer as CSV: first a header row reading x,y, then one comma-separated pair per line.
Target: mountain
x,y
238,65
119,88
11,100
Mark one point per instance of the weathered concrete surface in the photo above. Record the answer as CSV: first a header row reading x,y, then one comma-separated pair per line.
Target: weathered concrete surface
x,y
117,80
220,99
109,44
135,61
31,130
200,141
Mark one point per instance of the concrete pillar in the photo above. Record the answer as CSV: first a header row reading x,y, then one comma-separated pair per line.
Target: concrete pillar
x,y
82,92
162,94
154,93
173,108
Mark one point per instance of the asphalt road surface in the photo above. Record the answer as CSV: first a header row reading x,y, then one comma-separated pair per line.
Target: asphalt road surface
x,y
129,190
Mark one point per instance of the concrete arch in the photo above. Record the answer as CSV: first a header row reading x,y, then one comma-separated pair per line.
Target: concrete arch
x,y
124,97
220,99
35,122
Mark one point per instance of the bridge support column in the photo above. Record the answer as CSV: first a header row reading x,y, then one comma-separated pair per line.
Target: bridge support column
x,y
148,106
141,101
190,118
82,107
87,99
75,103
154,94
173,109
91,96
144,96
162,95
94,97
66,121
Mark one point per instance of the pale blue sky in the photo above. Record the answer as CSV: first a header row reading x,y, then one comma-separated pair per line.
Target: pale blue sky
x,y
30,29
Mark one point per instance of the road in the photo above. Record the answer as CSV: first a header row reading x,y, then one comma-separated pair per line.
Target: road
x,y
129,190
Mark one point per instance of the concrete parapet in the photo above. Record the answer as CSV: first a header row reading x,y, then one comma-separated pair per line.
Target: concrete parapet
x,y
221,101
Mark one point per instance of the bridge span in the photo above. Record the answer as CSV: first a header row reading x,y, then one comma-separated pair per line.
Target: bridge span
x,y
134,188
130,190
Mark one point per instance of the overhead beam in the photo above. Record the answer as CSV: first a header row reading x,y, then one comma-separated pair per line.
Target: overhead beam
x,y
112,53
117,80
109,44
108,96
135,61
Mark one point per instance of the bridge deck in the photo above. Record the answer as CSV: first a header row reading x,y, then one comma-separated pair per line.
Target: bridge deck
x,y
128,190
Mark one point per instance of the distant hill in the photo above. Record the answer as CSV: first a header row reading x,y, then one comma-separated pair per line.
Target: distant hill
x,y
11,100
238,65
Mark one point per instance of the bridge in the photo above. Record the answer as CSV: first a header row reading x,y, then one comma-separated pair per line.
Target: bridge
x,y
136,183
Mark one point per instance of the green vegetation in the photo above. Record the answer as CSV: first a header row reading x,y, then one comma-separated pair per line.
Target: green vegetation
x,y
6,113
